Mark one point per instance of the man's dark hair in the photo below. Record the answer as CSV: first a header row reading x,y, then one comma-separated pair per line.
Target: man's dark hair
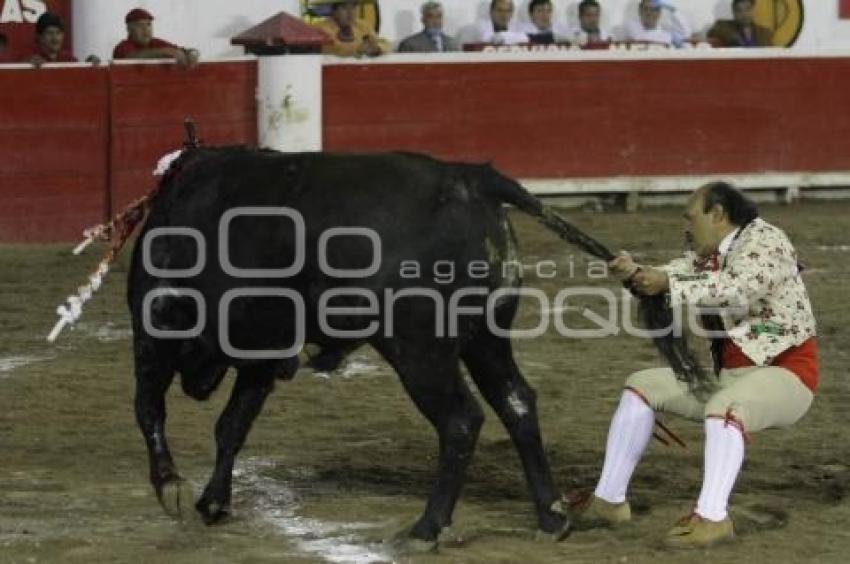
x,y
741,209
534,3
493,4
48,20
585,5
736,2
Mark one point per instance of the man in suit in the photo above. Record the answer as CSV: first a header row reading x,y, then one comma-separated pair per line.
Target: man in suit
x,y
499,28
589,31
742,31
745,270
431,39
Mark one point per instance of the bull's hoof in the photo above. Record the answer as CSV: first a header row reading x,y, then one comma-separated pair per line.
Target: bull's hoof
x,y
212,511
450,538
554,526
171,494
403,544
422,538
412,546
554,536
426,530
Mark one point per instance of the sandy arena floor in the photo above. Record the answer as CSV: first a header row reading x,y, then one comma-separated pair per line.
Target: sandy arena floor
x,y
336,465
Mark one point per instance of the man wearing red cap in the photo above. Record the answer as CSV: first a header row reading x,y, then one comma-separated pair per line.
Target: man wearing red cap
x,y
141,44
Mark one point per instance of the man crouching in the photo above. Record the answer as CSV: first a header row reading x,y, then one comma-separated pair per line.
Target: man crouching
x,y
767,366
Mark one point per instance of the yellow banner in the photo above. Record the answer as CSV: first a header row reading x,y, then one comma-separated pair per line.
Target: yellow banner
x,y
784,17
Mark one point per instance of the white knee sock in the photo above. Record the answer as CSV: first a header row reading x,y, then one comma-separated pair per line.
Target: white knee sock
x,y
724,454
631,429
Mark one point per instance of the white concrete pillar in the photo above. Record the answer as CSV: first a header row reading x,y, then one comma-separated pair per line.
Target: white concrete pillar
x,y
289,102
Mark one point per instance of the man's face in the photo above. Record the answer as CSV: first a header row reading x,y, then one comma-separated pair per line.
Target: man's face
x,y
344,14
743,13
649,16
51,40
703,231
589,19
433,19
541,16
140,32
502,12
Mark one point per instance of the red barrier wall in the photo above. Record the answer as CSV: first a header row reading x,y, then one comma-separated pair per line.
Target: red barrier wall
x,y
149,103
600,119
53,152
69,134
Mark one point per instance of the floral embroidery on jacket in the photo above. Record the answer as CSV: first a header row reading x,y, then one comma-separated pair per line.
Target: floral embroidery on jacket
x,y
766,306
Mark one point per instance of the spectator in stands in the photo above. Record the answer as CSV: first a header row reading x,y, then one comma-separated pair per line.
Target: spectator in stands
x,y
49,42
540,30
589,31
351,37
650,29
741,31
431,39
141,44
5,53
499,29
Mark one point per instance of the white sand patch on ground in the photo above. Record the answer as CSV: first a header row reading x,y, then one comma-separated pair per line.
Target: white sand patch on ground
x,y
277,504
10,364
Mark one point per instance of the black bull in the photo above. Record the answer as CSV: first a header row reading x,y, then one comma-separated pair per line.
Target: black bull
x,y
422,211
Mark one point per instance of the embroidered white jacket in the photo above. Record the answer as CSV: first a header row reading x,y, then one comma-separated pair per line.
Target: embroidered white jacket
x,y
764,305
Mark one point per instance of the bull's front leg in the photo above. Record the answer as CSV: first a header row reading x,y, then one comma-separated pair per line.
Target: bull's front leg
x,y
153,377
250,391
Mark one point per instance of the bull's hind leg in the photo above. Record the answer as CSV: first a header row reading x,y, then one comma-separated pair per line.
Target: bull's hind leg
x,y
491,364
250,391
432,379
154,374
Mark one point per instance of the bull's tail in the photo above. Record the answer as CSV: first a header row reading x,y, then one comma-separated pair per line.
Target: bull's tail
x,y
654,311
512,193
